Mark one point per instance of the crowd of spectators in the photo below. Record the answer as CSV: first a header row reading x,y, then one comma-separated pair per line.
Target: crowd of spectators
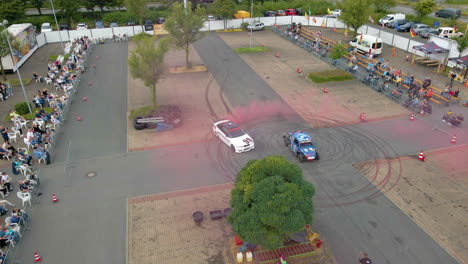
x,y
38,136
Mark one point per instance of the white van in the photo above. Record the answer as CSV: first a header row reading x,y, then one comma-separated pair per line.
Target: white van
x,y
390,18
448,32
367,44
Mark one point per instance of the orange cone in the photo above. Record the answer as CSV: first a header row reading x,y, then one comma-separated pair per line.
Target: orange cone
x,y
54,198
90,83
262,44
94,65
411,117
454,139
97,57
78,118
421,156
422,113
277,55
37,258
325,90
299,70
362,117
85,99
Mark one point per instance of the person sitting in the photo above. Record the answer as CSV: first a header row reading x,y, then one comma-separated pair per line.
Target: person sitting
x,y
447,116
3,211
23,156
15,219
4,154
396,94
3,237
39,152
35,76
4,189
456,120
24,187
426,107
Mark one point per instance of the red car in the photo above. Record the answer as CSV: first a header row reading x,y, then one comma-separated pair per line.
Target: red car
x,y
291,12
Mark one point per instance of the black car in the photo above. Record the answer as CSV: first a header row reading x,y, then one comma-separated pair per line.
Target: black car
x,y
269,13
299,11
148,25
160,20
406,27
131,23
64,26
426,33
399,22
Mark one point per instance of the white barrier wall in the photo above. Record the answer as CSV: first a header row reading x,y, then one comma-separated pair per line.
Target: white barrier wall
x,y
400,42
74,34
41,41
100,32
123,31
386,37
53,36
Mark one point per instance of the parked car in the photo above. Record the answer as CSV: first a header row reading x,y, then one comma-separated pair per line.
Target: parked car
x,y
64,26
448,32
330,16
160,20
113,24
131,23
241,14
211,18
405,27
418,27
81,26
269,13
46,27
280,13
426,33
336,12
232,135
299,12
398,22
301,145
256,26
448,13
290,12
149,25
390,18
99,24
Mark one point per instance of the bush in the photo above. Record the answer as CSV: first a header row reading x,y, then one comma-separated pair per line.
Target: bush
x,y
153,15
21,108
244,25
330,76
142,35
119,17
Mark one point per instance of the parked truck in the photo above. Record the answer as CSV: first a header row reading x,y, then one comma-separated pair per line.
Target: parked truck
x,y
23,43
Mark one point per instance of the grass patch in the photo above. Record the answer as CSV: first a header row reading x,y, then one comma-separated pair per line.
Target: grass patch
x,y
330,76
55,56
252,49
16,82
142,111
457,2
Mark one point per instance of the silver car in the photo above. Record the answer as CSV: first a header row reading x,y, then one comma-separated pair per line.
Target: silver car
x,y
256,26
419,27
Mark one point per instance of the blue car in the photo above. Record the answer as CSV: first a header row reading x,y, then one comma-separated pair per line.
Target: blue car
x,y
301,145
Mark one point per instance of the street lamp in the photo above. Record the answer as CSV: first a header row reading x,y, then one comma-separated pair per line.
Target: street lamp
x,y
251,27
56,23
3,24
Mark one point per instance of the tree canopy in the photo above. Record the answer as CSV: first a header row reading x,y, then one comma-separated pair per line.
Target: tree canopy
x,y
224,9
383,5
137,8
68,8
338,51
184,27
462,44
424,8
11,10
4,48
355,13
146,62
270,201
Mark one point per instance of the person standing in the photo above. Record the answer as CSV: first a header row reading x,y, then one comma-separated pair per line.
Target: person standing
x,y
4,132
365,259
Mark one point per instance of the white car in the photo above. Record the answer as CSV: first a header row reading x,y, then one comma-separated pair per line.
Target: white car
x,y
45,27
336,12
256,26
81,26
234,136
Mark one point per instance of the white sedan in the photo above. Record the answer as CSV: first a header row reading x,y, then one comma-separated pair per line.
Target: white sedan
x,y
235,137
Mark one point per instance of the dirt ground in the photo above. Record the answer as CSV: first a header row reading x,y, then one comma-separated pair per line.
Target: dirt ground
x,y
197,94
343,103
161,228
433,193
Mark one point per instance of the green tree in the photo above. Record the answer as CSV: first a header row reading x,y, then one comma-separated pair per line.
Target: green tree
x,y
68,8
424,8
462,43
4,49
383,5
338,51
147,61
137,8
11,10
270,201
224,8
184,27
38,5
355,13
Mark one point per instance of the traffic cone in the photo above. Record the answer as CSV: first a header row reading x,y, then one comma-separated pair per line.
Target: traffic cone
x,y
299,70
454,139
277,54
37,258
325,90
411,117
262,44
78,118
94,65
421,156
362,117
54,198
90,83
422,113
97,57
85,99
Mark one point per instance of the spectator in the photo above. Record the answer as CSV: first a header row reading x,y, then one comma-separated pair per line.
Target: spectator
x,y
4,132
35,76
24,187
3,211
11,150
4,154
3,237
6,181
365,259
15,219
447,116
4,189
